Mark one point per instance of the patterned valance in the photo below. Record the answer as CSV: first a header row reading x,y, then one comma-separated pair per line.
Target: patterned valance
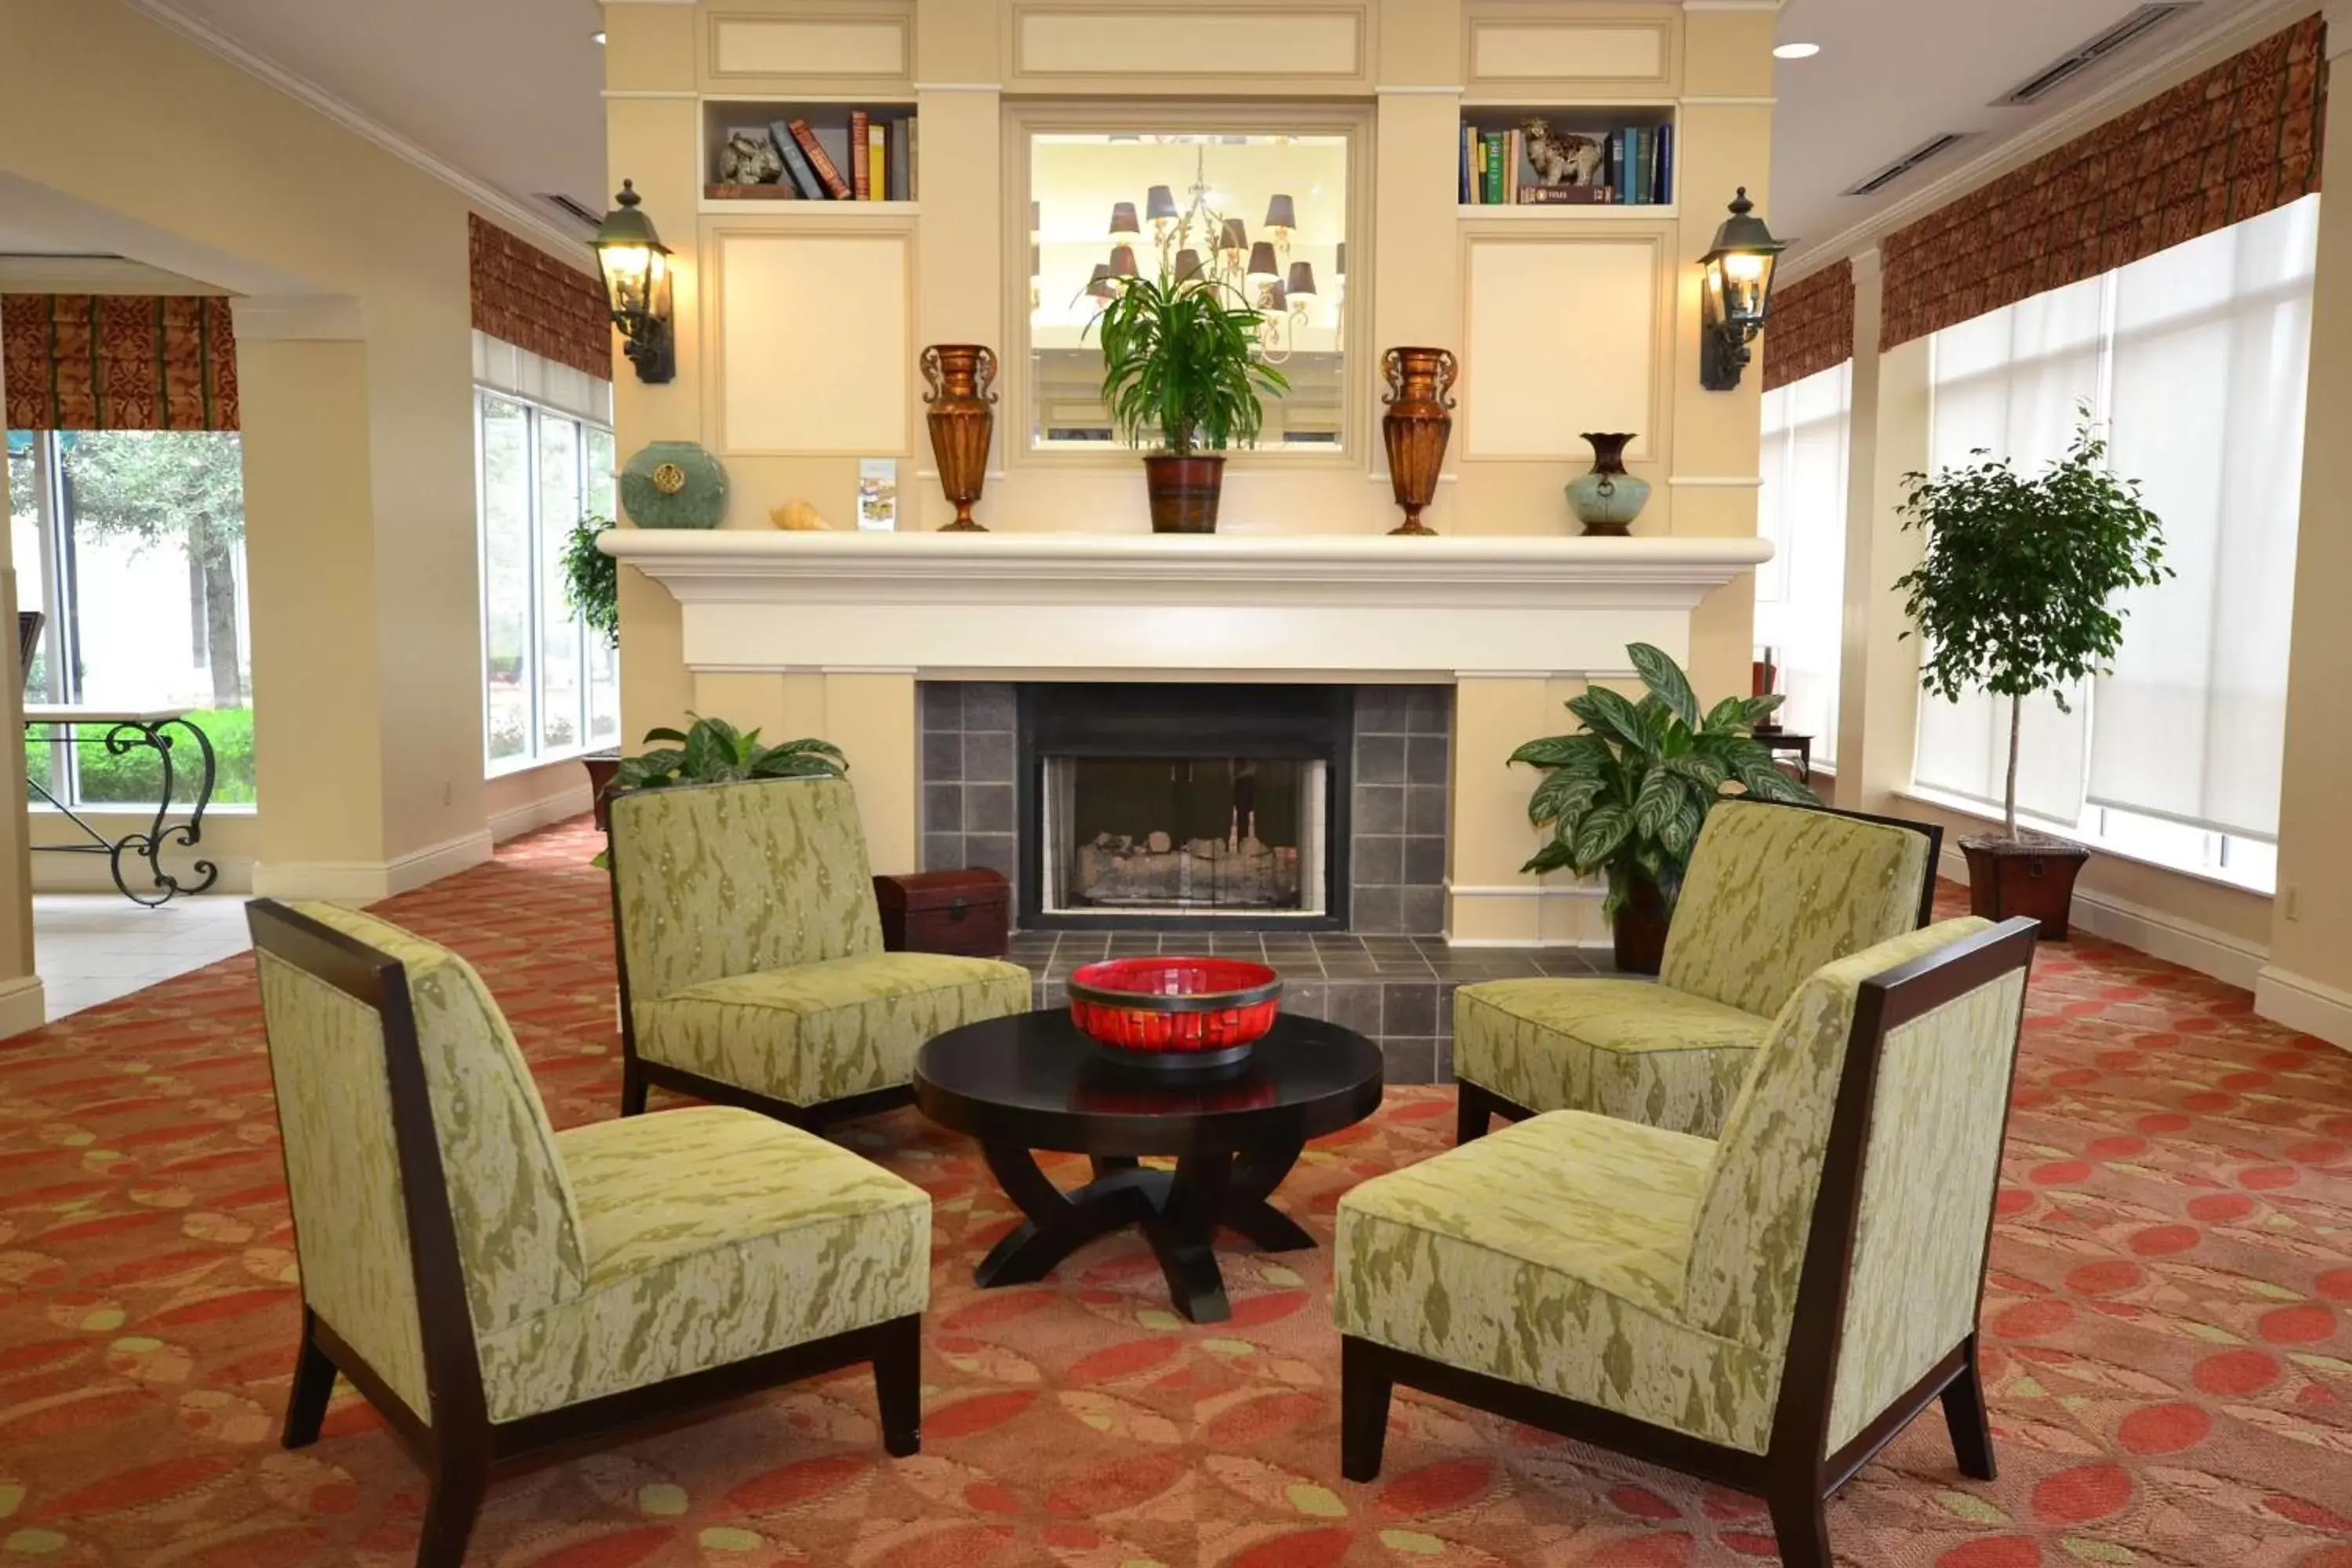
x,y
525,297
2228,144
118,362
1812,329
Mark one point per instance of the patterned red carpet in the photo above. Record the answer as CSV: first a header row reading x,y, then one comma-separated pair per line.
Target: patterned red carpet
x,y
2170,1315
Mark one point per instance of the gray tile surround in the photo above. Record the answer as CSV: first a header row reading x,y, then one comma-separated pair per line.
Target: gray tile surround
x,y
1396,862
969,744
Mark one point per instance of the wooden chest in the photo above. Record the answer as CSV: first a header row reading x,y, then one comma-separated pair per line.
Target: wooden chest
x,y
967,912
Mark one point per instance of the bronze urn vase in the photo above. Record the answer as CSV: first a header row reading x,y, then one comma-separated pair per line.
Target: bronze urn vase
x,y
1417,426
961,399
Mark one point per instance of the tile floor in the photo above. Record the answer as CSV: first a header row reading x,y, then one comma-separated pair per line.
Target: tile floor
x,y
90,948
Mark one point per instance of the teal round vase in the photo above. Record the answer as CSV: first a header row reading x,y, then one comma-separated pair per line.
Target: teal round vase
x,y
673,484
1608,499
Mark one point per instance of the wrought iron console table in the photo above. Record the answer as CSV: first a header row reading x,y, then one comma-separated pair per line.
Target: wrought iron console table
x,y
122,730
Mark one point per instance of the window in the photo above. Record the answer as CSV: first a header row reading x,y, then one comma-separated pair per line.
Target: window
x,y
550,687
132,543
1800,592
2195,359
1265,213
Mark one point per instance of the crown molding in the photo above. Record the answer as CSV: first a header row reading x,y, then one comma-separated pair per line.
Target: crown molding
x,y
2190,55
484,197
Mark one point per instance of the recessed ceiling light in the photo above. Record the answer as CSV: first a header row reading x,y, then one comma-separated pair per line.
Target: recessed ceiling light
x,y
1796,51
598,35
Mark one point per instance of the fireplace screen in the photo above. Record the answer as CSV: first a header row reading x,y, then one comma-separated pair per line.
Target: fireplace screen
x,y
1195,836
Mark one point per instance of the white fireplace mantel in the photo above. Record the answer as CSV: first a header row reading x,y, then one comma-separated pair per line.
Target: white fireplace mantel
x,y
1065,606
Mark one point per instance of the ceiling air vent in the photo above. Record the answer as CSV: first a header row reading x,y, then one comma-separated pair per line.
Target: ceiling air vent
x,y
571,209
2135,27
1934,146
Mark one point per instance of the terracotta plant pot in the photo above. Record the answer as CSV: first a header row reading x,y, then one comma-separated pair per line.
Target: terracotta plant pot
x,y
1638,930
1184,492
1417,426
962,415
2030,874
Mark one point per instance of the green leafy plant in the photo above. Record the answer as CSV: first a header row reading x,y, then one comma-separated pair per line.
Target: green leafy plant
x,y
712,751
1180,364
1625,795
591,579
2014,595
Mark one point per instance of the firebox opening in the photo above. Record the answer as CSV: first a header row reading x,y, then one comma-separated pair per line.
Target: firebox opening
x,y
1200,835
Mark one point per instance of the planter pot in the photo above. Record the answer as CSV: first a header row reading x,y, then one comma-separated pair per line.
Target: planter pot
x,y
1639,929
601,769
1607,499
1415,429
1184,492
961,377
2031,876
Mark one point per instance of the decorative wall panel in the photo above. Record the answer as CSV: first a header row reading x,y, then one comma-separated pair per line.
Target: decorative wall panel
x,y
1562,337
1623,54
808,47
1192,41
814,342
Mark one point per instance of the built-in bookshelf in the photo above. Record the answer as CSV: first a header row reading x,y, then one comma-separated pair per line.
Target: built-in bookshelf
x,y
808,155
1568,159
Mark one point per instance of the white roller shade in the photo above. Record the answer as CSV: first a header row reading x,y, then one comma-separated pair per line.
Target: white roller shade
x,y
1800,592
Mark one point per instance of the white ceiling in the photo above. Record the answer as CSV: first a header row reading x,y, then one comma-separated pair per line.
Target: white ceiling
x,y
508,91
1893,74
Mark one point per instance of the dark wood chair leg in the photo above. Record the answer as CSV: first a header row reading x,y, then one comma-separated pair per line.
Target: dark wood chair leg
x,y
1364,1390
1472,1112
314,1383
459,1488
898,1386
1964,1415
1801,1524
633,1088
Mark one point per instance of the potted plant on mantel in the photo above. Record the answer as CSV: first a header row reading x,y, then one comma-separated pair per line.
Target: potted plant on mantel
x,y
1626,794
2015,597
1181,368
592,589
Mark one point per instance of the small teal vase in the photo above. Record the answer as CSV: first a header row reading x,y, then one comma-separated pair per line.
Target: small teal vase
x,y
673,484
1608,499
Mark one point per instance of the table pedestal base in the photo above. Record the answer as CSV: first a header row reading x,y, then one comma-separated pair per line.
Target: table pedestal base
x,y
1179,1211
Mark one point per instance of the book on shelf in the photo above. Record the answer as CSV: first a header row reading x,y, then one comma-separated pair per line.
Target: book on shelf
x,y
827,171
878,158
1493,141
781,190
861,157
1662,189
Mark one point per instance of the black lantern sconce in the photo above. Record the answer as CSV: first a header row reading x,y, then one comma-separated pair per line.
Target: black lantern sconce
x,y
635,264
1737,294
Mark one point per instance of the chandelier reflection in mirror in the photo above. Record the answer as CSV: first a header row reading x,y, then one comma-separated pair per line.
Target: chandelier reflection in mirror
x,y
1263,216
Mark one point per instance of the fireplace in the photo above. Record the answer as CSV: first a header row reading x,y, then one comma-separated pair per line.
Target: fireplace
x,y
1219,807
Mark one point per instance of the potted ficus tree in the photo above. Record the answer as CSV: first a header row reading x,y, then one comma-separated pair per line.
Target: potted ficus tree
x,y
1182,373
1626,795
2016,596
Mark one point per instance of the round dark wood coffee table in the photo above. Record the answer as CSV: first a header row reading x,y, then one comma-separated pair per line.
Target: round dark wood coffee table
x,y
1034,1082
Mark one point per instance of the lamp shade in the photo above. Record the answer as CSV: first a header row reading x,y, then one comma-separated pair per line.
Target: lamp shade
x,y
1123,220
1262,263
1277,298
1280,213
1302,280
1122,261
1036,260
1236,235
1188,265
1036,214
1159,202
1099,285
1343,263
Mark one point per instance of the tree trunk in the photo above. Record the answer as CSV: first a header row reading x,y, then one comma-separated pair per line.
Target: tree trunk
x,y
220,634
2008,795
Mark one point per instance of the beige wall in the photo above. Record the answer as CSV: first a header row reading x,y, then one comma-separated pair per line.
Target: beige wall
x,y
355,374
1398,73
20,987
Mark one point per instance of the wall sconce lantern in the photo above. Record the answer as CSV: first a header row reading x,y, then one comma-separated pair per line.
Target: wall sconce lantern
x,y
1737,294
635,264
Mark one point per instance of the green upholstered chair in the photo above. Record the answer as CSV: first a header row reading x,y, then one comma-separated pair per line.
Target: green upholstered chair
x,y
752,971
1773,892
496,1288
1764,1311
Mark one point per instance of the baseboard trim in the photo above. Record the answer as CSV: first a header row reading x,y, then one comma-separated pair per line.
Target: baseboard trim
x,y
87,873
565,803
2234,961
2303,1003
24,1005
370,881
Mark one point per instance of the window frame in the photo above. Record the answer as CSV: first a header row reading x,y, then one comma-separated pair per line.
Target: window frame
x,y
1014,445
535,753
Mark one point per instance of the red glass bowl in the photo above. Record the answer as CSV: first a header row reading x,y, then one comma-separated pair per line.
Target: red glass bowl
x,y
1176,1009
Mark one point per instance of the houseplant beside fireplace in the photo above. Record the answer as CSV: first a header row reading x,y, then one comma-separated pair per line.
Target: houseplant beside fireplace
x,y
2015,597
1625,796
1182,371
